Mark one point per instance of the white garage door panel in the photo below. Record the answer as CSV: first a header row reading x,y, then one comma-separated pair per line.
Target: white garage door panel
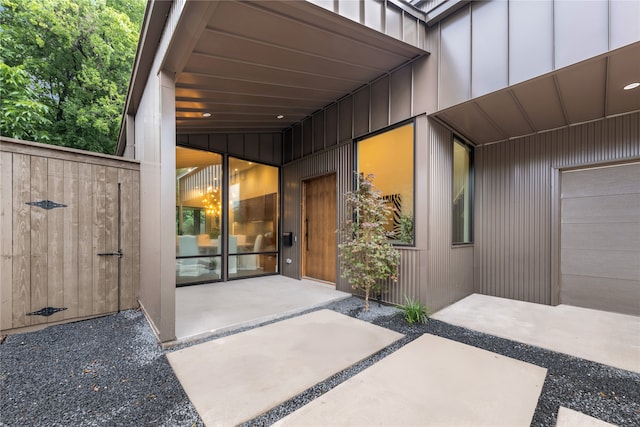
x,y
622,294
601,209
602,181
616,237
600,238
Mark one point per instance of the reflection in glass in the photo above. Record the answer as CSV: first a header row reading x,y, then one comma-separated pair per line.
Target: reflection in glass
x,y
198,216
462,197
389,156
253,218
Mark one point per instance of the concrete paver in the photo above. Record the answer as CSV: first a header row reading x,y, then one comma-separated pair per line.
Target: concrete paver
x,y
609,338
236,378
431,381
570,418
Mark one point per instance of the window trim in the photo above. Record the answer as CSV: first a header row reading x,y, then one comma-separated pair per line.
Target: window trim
x,y
457,139
389,128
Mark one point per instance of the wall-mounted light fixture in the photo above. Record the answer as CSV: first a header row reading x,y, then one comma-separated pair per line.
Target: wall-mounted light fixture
x,y
632,86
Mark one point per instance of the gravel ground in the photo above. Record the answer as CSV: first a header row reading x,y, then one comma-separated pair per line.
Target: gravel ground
x,y
107,371
110,371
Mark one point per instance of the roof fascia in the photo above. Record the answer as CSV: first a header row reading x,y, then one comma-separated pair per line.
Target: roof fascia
x,y
409,8
155,16
444,9
193,19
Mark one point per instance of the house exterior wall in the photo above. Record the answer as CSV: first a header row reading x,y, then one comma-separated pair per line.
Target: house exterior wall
x,y
450,267
155,140
516,203
335,160
391,17
432,271
388,100
481,48
323,143
265,147
489,45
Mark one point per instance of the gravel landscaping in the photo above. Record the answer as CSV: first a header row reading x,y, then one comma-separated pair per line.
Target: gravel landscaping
x,y
110,371
107,371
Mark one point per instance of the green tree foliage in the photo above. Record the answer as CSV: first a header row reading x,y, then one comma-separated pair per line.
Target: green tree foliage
x,y
22,116
367,259
74,60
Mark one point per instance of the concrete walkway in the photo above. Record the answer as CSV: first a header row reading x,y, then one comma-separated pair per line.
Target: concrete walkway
x,y
234,379
431,381
204,310
609,338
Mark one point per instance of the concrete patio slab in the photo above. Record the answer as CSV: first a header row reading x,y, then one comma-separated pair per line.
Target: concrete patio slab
x,y
236,378
570,418
431,381
609,338
204,310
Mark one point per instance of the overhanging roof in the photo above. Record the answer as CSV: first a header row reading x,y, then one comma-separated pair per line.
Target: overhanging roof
x,y
247,62
584,92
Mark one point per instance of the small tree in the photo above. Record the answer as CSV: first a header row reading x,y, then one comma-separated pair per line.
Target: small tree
x,y
367,258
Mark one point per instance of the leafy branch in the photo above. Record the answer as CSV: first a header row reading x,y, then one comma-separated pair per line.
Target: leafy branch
x,y
367,259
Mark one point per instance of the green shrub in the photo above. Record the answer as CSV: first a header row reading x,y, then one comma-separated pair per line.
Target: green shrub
x,y
414,312
367,259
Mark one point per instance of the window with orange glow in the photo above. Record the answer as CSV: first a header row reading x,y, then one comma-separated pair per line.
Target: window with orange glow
x,y
198,216
389,156
224,225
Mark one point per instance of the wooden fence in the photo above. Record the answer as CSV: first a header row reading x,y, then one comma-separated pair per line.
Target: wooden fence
x,y
69,234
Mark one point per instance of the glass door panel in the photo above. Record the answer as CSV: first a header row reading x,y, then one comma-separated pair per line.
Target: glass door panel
x,y
198,216
253,218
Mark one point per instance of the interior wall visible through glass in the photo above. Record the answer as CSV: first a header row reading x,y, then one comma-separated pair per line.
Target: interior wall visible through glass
x,y
251,216
390,157
462,190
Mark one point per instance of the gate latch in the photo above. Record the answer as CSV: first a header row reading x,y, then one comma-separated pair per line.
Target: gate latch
x,y
117,253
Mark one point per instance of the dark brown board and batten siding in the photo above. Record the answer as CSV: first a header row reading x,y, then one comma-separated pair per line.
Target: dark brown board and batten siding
x,y
49,256
432,271
517,198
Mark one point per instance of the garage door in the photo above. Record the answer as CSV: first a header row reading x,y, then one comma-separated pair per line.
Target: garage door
x,y
600,238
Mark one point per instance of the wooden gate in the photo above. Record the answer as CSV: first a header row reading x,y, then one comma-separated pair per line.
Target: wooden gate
x,y
69,234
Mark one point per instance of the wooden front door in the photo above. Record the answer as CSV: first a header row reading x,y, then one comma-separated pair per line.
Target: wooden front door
x,y
319,228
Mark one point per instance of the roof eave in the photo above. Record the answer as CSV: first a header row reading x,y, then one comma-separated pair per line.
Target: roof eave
x,y
154,20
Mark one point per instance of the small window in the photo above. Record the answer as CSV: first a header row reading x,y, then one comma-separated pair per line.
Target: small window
x,y
389,157
462,193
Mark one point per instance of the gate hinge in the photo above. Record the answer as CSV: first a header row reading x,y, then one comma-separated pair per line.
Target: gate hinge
x,y
47,311
47,204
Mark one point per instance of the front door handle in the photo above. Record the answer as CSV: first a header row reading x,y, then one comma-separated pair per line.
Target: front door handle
x,y
306,233
117,253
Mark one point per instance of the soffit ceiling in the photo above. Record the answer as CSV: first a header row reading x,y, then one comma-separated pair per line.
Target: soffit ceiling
x,y
248,62
186,158
584,92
